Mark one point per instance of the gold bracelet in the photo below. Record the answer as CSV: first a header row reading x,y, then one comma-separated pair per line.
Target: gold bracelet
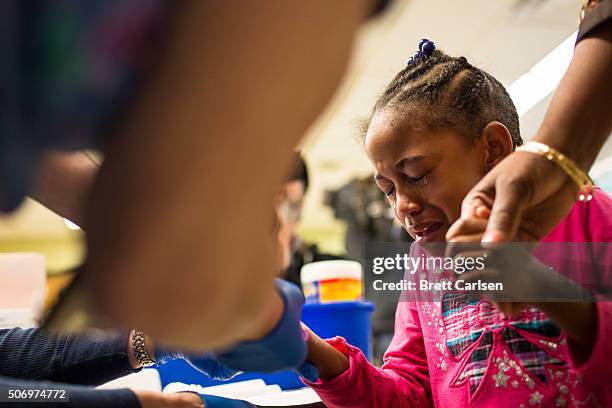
x,y
569,167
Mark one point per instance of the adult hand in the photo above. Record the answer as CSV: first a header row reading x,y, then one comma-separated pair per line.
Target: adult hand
x,y
155,399
213,368
524,280
528,282
471,234
211,401
284,348
216,370
205,363
152,399
525,196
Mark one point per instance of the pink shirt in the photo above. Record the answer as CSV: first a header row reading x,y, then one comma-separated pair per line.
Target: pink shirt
x,y
460,353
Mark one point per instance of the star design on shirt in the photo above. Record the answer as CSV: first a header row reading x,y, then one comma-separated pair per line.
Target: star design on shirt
x,y
535,398
501,379
560,401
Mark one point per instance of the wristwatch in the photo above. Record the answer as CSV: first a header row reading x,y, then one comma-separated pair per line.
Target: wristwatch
x,y
139,346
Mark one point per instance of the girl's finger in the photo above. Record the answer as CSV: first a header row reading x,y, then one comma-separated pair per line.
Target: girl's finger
x,y
482,211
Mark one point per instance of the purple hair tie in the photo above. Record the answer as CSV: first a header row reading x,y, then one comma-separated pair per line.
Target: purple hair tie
x,y
426,48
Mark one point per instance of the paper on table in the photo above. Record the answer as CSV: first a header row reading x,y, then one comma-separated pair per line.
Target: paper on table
x,y
239,390
146,379
254,391
302,396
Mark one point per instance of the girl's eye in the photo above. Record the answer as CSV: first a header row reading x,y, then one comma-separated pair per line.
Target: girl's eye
x,y
418,180
390,192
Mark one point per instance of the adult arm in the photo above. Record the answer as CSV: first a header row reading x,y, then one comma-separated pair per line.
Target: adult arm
x,y
79,396
29,358
33,359
579,118
528,195
35,355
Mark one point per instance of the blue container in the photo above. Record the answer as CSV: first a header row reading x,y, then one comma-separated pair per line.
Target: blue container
x,y
350,320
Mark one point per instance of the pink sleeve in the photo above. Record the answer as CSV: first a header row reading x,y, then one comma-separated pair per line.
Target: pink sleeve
x,y
599,229
403,380
599,217
597,367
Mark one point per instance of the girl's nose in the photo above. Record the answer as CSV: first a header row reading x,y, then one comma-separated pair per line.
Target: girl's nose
x,y
408,204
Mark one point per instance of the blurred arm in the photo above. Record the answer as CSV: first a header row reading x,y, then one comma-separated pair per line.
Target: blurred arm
x,y
37,355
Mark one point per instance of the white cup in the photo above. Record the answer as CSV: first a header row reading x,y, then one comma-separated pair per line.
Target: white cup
x,y
22,288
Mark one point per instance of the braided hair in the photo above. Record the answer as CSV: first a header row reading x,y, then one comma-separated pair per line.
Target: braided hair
x,y
465,98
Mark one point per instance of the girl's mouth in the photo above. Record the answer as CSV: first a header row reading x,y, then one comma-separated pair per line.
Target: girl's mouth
x,y
426,231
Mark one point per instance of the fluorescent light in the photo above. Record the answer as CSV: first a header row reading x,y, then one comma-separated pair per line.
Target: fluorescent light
x,y
71,225
543,77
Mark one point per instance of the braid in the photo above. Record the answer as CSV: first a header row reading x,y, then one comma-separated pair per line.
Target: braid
x,y
505,108
471,93
429,89
405,76
465,97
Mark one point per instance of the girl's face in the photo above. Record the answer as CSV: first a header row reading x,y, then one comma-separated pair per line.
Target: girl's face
x,y
424,174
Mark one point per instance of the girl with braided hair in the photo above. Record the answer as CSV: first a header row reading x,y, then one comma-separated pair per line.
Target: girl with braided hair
x,y
437,129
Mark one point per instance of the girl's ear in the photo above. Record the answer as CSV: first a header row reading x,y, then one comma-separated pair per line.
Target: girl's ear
x,y
497,142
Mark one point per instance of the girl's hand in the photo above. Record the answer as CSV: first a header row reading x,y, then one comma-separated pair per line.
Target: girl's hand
x,y
329,361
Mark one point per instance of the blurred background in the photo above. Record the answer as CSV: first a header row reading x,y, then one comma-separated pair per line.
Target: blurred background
x,y
518,41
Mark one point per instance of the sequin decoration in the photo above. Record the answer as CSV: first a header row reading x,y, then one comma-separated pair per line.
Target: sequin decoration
x,y
468,320
535,398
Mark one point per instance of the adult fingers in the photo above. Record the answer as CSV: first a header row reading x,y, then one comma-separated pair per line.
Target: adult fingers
x,y
465,227
506,210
